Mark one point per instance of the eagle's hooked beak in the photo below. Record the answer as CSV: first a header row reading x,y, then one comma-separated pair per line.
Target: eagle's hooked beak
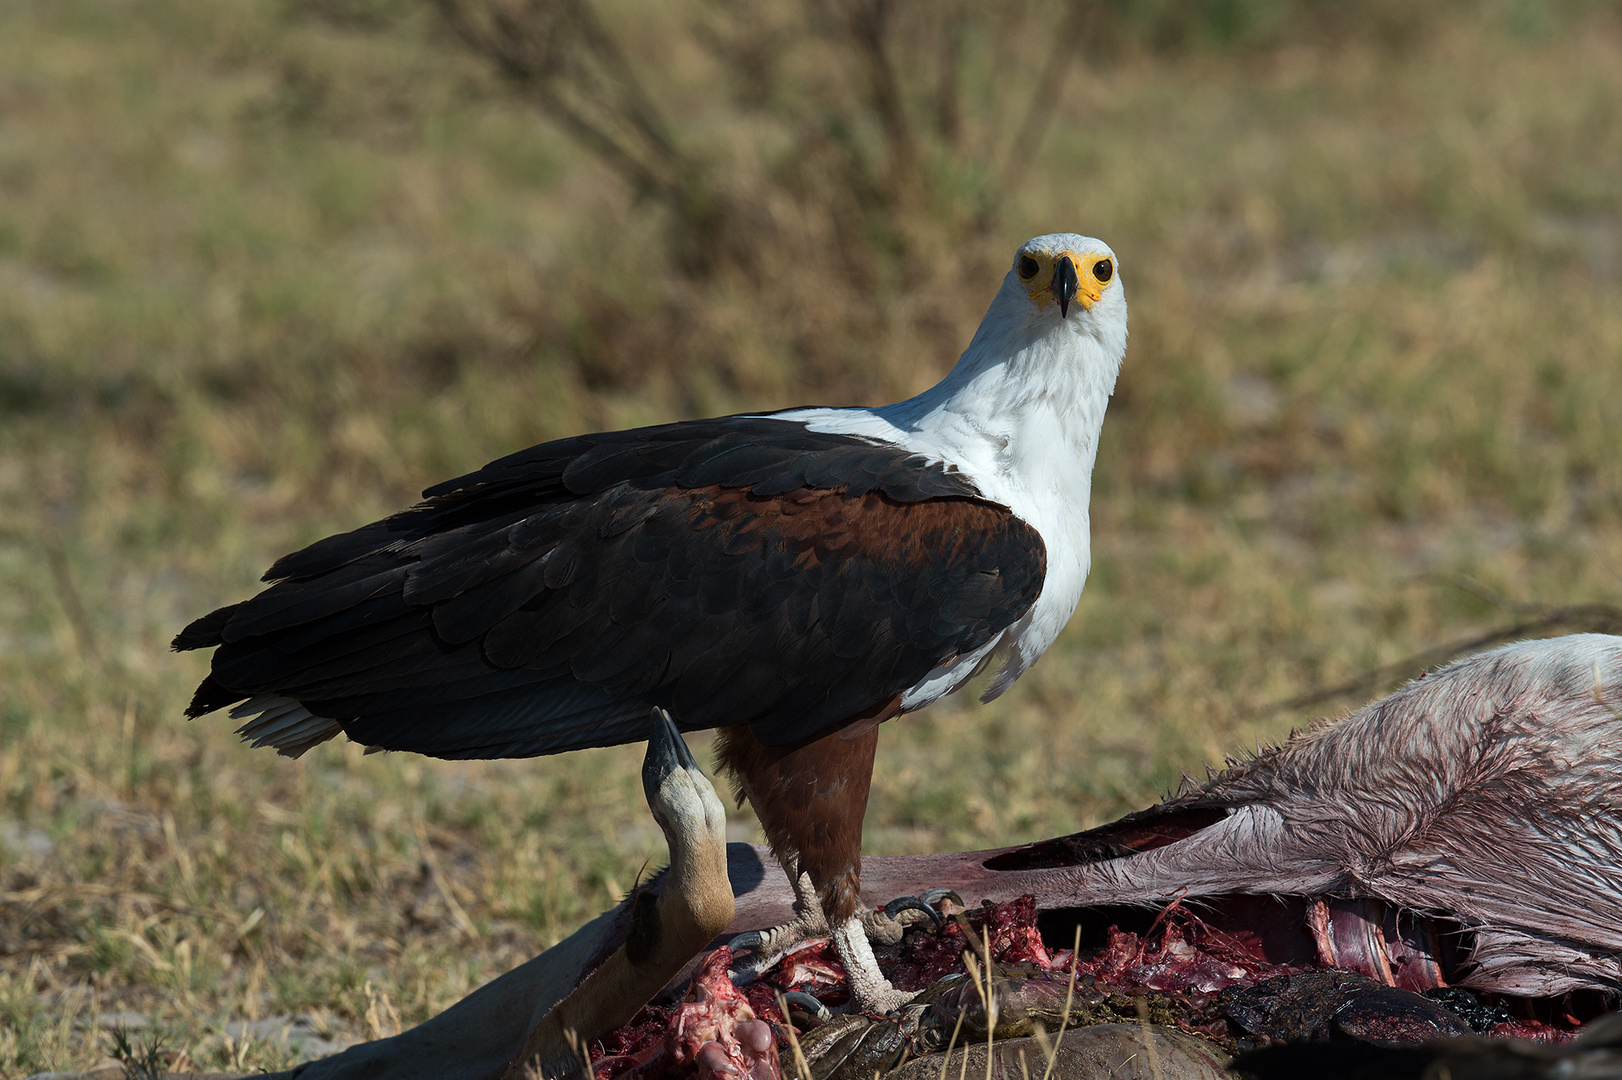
x,y
1065,285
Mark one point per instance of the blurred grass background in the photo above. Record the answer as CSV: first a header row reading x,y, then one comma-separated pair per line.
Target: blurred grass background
x,y
269,267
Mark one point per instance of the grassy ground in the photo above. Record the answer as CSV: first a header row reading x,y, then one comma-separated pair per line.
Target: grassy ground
x,y
267,268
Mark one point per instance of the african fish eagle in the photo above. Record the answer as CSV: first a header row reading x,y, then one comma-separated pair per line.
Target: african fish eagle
x,y
792,578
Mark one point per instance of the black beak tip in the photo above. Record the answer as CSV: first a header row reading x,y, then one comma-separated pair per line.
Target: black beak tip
x,y
1066,283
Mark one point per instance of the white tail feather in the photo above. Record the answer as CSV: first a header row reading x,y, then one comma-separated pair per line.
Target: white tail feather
x,y
283,723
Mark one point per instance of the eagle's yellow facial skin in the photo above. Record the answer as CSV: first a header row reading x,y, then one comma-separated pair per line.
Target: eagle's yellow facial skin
x,y
1091,287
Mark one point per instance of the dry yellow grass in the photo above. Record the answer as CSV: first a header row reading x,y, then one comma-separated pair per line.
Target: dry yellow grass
x,y
263,275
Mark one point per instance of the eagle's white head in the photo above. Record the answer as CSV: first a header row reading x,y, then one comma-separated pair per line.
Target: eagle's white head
x,y
1053,338
1059,284
1062,270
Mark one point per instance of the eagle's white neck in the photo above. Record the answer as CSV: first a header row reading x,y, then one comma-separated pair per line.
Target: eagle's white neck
x,y
1025,401
1020,415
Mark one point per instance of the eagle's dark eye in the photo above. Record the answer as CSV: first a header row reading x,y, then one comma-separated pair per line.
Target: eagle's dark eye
x,y
1103,270
1027,267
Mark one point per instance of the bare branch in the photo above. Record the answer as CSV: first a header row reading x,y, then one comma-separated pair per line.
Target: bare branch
x,y
634,101
866,26
561,54
948,106
1039,114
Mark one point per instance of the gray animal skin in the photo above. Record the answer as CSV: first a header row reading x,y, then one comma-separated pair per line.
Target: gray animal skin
x,y
1488,792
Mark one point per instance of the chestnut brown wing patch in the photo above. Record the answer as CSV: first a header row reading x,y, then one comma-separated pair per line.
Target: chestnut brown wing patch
x,y
736,571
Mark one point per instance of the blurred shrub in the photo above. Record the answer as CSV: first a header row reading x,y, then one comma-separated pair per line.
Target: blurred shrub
x,y
825,168
827,175
1172,26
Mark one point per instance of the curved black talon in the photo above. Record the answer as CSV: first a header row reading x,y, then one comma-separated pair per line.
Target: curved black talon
x,y
753,967
924,903
911,903
747,972
748,941
808,1005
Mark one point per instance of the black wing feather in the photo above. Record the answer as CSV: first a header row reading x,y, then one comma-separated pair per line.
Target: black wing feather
x,y
739,570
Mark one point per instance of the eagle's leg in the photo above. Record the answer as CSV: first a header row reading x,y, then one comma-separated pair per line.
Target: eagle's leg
x,y
810,800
